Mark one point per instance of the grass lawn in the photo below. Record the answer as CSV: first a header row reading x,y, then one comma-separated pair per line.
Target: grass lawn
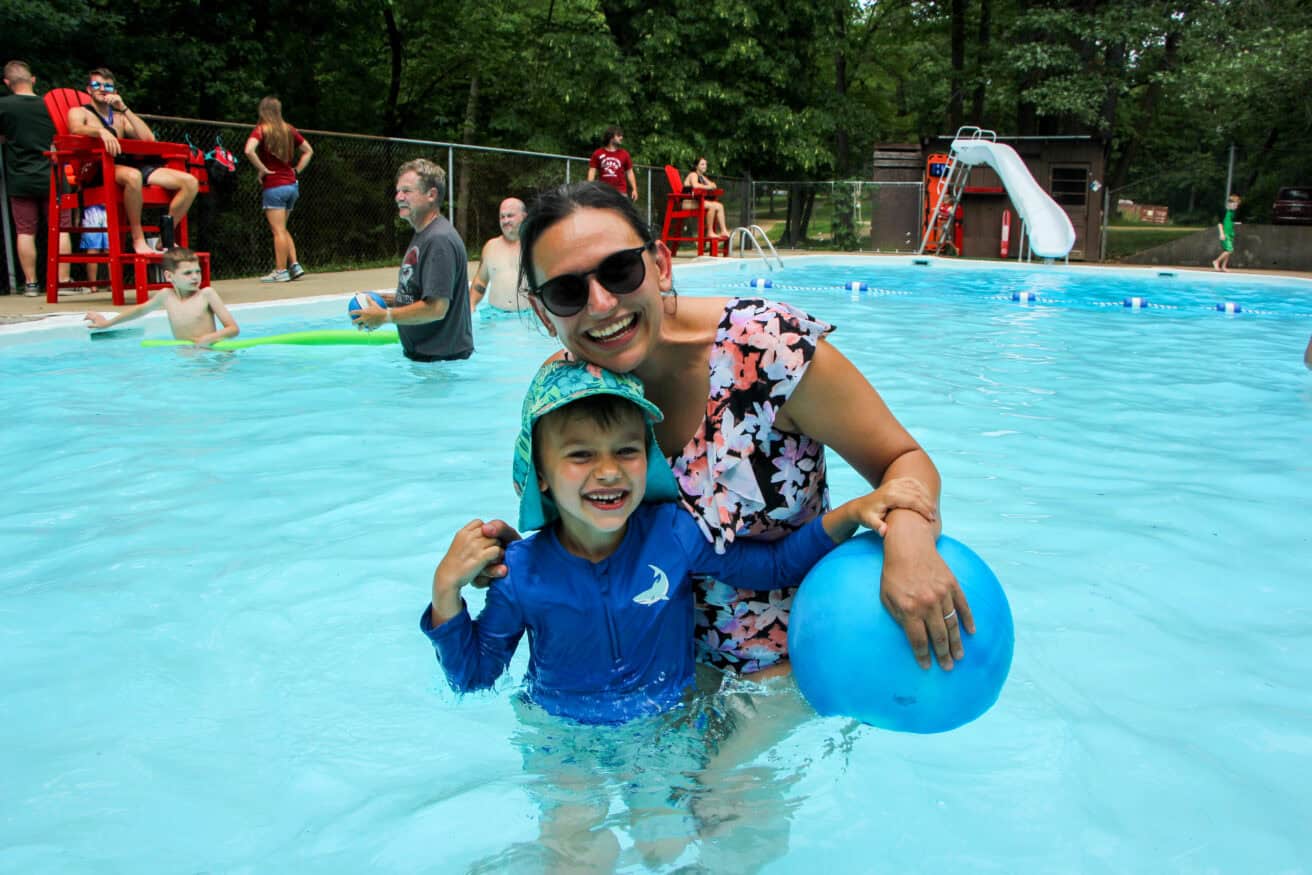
x,y
1123,240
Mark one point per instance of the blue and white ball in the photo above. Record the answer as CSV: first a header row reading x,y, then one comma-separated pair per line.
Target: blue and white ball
x,y
360,300
761,282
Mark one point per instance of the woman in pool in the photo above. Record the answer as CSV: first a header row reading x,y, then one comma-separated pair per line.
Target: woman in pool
x,y
752,393
714,209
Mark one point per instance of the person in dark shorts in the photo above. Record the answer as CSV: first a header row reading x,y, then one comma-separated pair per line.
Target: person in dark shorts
x,y
26,130
431,303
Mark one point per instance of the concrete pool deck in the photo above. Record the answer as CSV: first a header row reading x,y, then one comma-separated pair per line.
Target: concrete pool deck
x,y
15,308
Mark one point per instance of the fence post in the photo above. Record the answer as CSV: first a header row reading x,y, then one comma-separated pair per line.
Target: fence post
x,y
450,183
749,203
567,171
9,246
1102,241
648,197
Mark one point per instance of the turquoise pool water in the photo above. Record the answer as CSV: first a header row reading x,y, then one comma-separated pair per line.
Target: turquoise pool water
x,y
214,566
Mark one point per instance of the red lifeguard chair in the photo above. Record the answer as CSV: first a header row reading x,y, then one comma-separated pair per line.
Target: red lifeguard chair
x,y
75,159
681,206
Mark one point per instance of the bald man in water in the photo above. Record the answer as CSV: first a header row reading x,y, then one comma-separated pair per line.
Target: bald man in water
x,y
498,271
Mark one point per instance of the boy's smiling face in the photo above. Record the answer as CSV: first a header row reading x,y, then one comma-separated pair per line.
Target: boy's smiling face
x,y
596,474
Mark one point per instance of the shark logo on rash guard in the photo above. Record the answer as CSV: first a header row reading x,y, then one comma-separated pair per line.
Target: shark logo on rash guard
x,y
659,591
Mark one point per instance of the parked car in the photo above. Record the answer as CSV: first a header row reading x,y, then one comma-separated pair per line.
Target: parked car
x,y
1293,206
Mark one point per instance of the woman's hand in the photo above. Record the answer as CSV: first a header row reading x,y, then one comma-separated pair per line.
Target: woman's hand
x,y
503,534
922,594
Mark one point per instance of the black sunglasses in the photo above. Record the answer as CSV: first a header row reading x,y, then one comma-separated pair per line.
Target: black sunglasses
x,y
619,273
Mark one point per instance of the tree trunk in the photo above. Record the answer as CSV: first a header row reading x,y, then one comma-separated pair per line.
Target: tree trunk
x,y
467,131
1147,109
391,116
956,80
841,144
1258,162
981,61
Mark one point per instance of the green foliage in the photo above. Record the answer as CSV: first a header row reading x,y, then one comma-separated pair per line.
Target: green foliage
x,y
783,90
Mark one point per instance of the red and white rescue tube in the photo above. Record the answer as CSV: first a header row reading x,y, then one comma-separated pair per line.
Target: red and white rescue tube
x,y
1006,232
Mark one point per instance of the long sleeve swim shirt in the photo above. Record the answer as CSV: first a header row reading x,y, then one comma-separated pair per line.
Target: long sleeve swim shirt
x,y
612,640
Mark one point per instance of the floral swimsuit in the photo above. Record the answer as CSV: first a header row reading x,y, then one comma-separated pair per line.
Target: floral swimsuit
x,y
743,477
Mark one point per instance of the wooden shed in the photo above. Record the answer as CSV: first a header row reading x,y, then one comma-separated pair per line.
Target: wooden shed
x,y
1069,168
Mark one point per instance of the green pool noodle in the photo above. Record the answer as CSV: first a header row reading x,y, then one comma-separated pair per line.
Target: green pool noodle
x,y
327,337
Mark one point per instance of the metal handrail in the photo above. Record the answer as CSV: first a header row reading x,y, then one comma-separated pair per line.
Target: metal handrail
x,y
744,233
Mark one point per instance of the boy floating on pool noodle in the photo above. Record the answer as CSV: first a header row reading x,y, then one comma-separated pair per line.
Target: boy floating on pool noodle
x,y
604,588
192,310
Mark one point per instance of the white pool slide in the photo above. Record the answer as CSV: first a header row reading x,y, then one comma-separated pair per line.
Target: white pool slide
x,y
1051,234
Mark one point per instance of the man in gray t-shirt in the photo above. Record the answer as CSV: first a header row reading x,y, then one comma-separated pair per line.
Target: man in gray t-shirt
x,y
431,303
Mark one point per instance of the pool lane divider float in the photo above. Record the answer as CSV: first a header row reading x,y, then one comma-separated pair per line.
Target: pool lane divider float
x,y
327,337
1134,302
852,659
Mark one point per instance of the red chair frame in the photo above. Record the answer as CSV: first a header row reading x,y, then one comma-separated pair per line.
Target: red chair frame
x,y
677,212
75,158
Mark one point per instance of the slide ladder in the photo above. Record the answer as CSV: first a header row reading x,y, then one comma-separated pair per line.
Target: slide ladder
x,y
938,231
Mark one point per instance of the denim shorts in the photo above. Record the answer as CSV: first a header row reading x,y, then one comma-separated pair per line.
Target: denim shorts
x,y
282,197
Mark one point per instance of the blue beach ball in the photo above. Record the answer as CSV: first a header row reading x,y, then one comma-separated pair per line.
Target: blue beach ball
x,y
761,282
856,286
852,659
359,299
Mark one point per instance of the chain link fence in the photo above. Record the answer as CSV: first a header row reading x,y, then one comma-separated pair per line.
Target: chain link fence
x,y
346,215
845,215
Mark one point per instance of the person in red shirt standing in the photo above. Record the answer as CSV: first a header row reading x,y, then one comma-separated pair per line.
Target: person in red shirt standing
x,y
614,165
271,148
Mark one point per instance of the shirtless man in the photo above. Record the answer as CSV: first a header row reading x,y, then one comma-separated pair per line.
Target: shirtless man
x,y
109,118
192,310
498,271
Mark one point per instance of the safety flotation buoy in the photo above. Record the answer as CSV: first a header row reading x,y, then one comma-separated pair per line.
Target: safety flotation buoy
x,y
1006,232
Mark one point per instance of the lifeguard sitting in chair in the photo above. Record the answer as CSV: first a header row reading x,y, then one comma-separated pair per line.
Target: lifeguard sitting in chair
x,y
108,117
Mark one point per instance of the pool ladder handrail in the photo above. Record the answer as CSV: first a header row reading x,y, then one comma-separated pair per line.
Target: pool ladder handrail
x,y
744,233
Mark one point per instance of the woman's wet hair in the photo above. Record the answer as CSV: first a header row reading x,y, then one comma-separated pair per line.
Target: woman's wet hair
x,y
558,203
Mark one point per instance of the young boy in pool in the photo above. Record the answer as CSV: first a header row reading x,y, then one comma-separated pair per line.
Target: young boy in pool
x,y
192,310
604,587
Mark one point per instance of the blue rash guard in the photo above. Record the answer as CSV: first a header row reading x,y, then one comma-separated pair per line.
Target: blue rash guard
x,y
613,640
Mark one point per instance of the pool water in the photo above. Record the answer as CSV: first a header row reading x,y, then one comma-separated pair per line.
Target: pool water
x,y
215,564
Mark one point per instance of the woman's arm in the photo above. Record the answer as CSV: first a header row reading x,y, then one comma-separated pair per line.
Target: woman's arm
x,y
691,181
252,151
835,404
306,154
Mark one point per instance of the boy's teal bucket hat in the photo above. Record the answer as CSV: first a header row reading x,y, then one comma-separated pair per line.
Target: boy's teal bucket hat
x,y
564,382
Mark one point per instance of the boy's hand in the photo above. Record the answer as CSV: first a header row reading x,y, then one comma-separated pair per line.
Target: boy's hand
x,y
907,493
96,320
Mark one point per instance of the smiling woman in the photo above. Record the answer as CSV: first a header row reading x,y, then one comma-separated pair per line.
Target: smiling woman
x,y
749,390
